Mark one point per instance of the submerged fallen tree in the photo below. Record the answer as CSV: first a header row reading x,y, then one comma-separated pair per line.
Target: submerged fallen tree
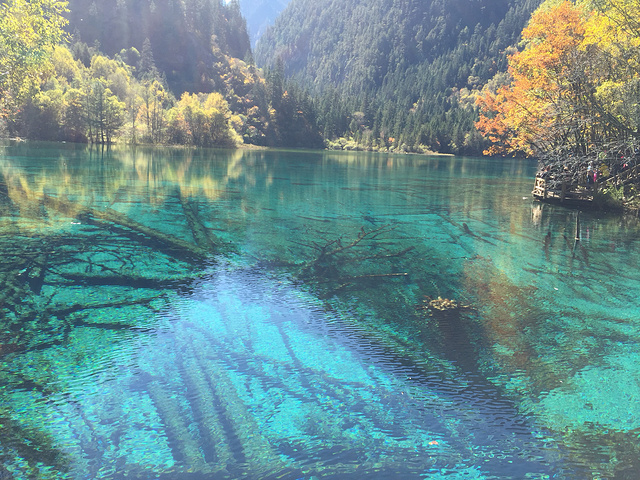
x,y
122,224
340,263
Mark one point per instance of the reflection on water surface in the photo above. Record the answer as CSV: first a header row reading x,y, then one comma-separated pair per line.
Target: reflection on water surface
x,y
254,314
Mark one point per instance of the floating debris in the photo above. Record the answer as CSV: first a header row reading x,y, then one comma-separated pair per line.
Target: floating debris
x,y
440,305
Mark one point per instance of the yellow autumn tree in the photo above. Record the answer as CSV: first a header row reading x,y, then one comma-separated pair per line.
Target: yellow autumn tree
x,y
202,120
615,30
574,85
525,115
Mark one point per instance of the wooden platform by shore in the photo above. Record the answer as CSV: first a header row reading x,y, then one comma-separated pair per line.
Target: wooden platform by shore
x,y
565,196
582,196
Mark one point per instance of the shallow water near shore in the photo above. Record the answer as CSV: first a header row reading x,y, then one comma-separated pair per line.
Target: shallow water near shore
x,y
210,314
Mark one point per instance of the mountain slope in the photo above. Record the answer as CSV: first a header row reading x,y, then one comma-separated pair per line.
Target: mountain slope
x,y
187,37
260,14
404,60
360,42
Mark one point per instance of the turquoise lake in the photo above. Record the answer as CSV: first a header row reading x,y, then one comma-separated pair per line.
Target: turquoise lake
x,y
211,314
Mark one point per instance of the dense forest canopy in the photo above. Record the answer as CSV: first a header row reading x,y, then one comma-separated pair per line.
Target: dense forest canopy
x,y
571,98
28,30
187,37
389,75
357,45
397,74
392,75
142,71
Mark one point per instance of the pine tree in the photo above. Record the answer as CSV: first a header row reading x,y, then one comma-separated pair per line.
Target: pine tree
x,y
147,65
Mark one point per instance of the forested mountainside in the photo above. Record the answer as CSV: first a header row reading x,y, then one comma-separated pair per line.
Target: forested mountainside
x,y
142,71
260,14
388,75
187,37
396,73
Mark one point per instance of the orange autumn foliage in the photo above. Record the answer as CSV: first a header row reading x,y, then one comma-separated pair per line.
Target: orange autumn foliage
x,y
522,117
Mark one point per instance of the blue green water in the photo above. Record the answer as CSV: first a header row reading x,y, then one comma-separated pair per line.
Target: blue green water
x,y
175,314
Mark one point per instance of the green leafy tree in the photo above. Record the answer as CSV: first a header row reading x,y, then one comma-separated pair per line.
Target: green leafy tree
x,y
45,114
105,113
75,118
155,101
28,31
202,120
115,74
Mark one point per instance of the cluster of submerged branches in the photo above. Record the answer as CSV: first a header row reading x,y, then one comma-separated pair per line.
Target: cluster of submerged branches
x,y
340,263
67,266
110,249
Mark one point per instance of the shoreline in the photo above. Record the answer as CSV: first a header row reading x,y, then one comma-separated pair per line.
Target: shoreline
x,y
242,146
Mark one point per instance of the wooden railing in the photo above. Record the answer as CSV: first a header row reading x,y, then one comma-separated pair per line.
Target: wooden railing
x,y
540,188
627,176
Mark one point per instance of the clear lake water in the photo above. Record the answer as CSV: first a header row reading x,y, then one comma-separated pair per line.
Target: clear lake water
x,y
257,314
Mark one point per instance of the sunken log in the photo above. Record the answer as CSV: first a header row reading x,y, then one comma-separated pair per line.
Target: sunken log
x,y
120,223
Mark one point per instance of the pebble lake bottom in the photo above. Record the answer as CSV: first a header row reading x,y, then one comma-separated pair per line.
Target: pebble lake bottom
x,y
208,314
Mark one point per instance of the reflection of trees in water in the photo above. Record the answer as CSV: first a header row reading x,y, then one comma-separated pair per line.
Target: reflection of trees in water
x,y
78,261
538,352
116,169
67,267
70,247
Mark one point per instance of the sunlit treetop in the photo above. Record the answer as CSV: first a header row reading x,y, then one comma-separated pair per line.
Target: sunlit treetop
x,y
28,32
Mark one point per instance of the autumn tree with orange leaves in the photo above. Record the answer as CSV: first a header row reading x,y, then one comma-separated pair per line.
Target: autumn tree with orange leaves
x,y
572,87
